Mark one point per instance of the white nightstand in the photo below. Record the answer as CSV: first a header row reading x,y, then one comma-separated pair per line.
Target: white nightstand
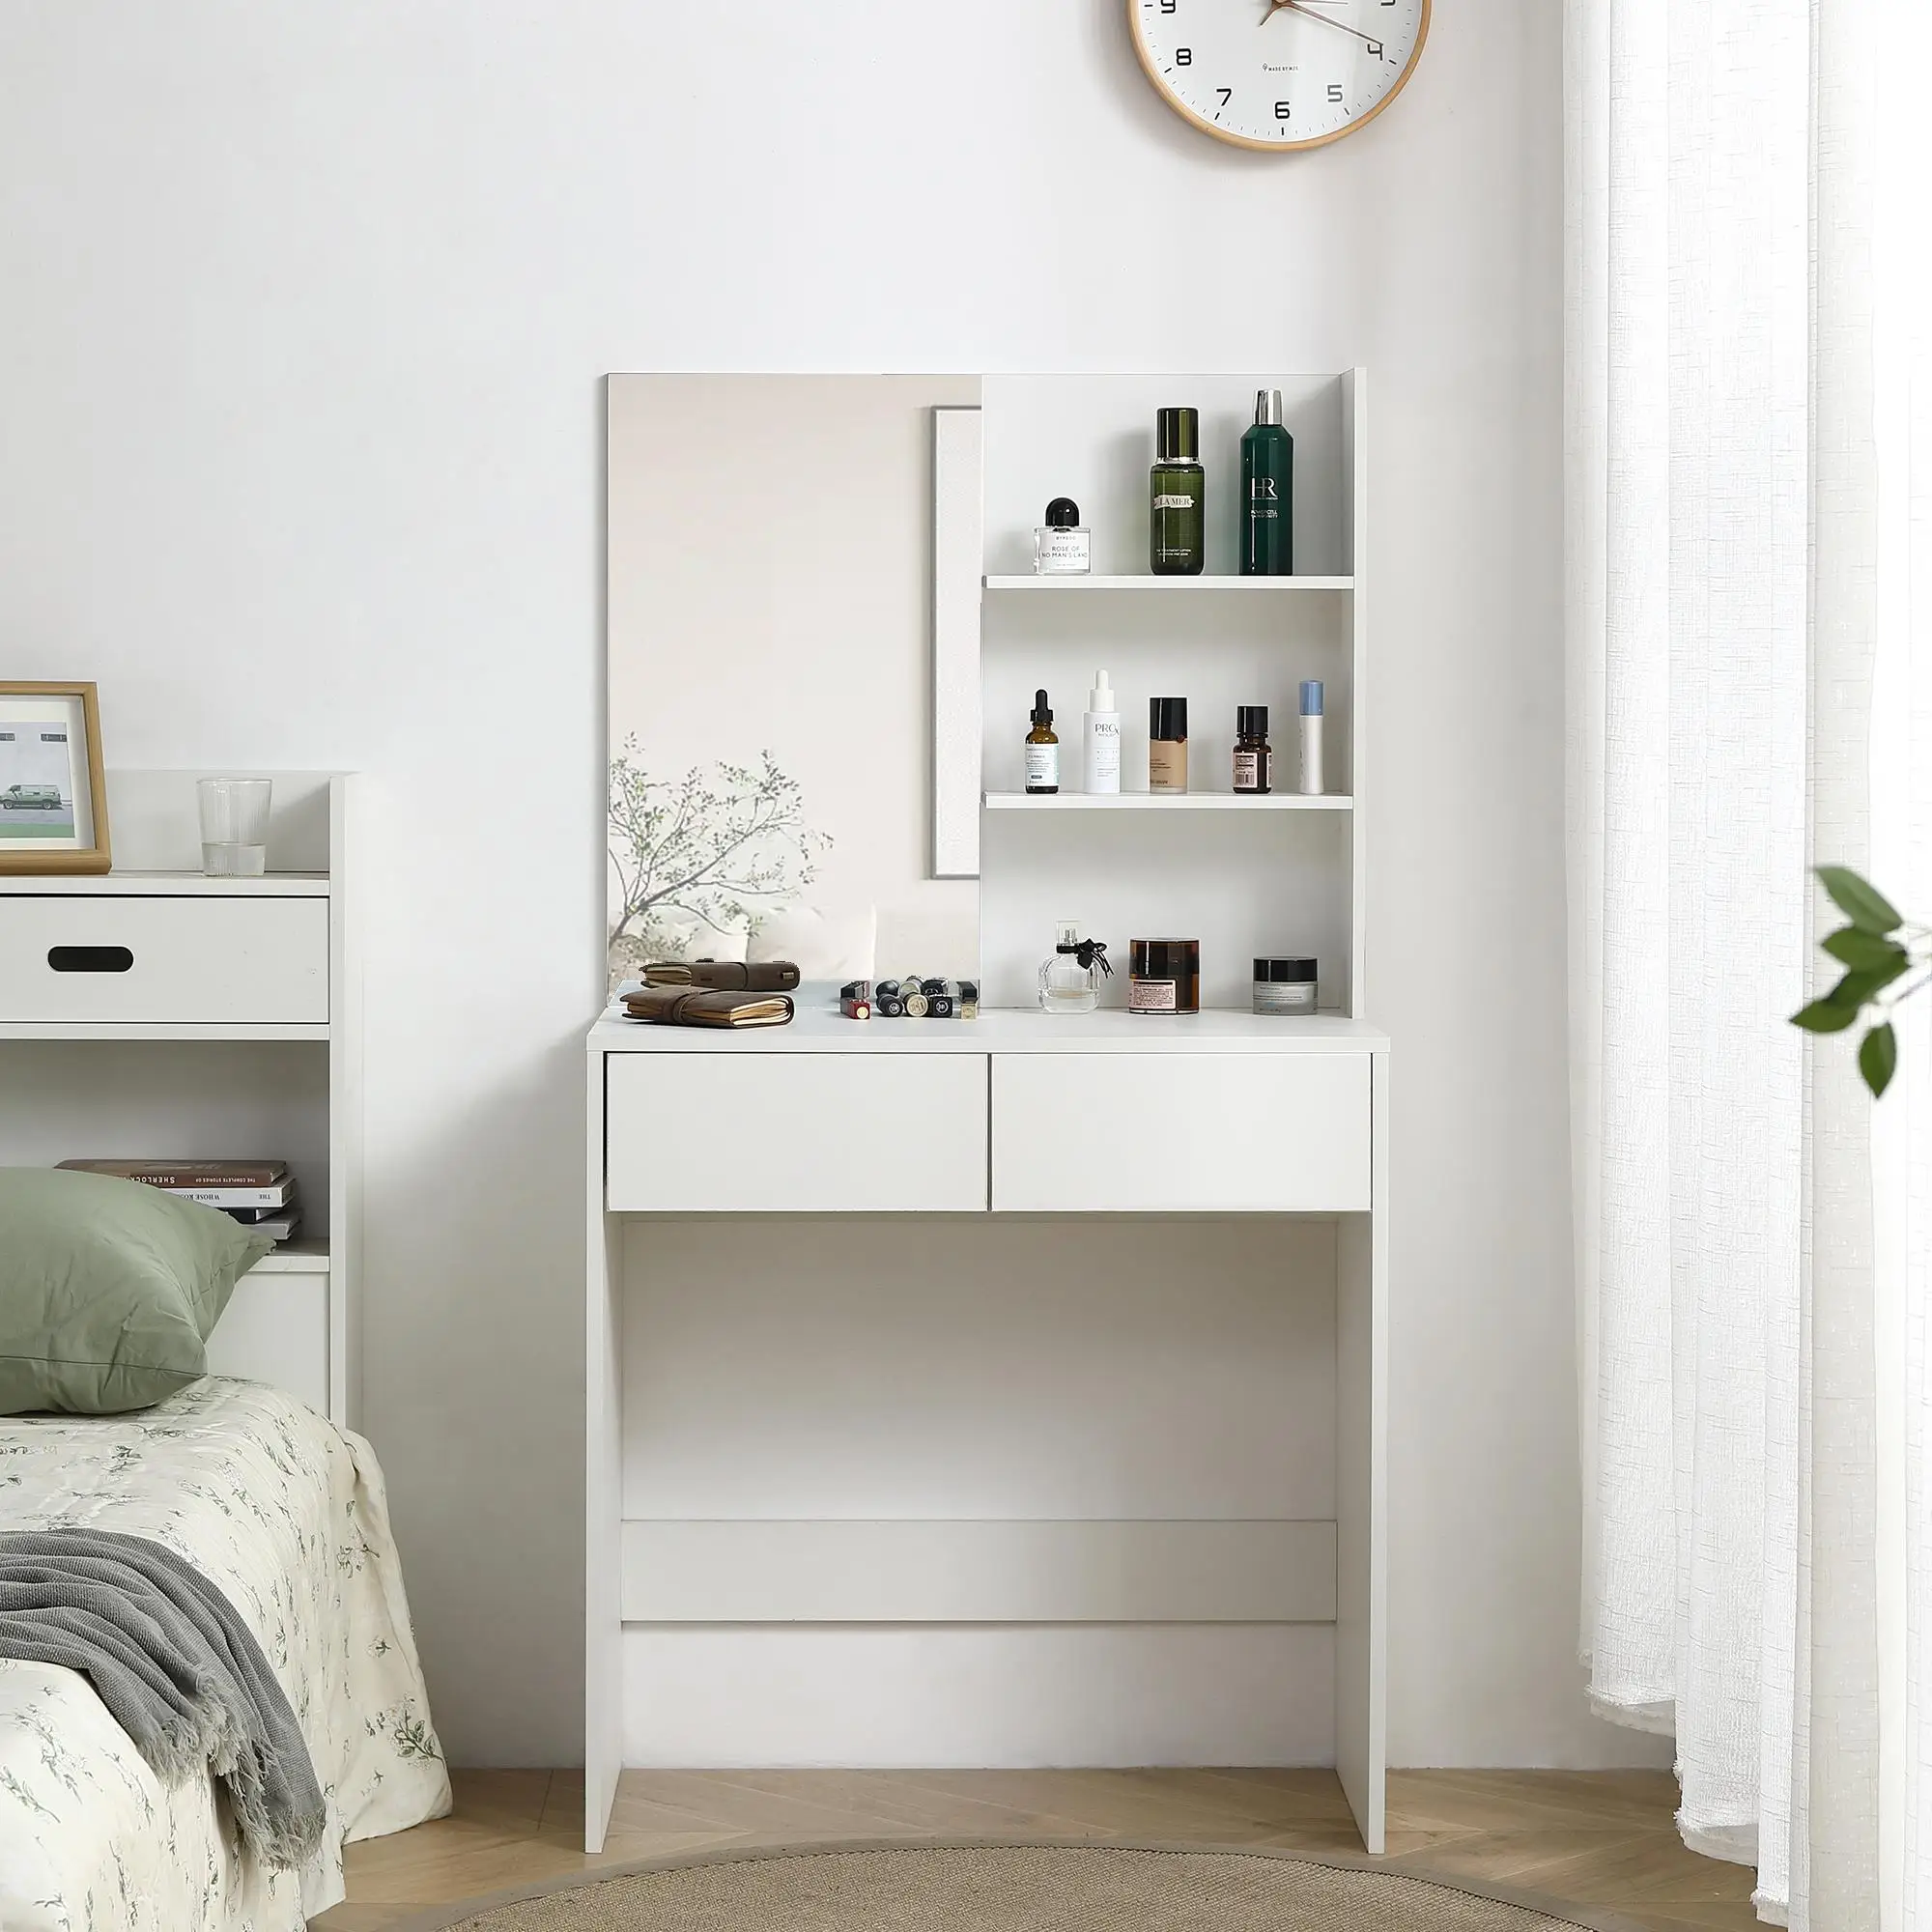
x,y
154,1012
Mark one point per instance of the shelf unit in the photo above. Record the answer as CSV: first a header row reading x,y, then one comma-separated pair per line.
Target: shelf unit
x,y
232,1029
1292,880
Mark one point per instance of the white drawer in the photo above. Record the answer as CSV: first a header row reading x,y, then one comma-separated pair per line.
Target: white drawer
x,y
243,960
1180,1132
275,1330
739,1131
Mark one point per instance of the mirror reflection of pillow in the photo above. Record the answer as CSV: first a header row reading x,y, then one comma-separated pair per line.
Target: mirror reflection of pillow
x,y
691,938
823,945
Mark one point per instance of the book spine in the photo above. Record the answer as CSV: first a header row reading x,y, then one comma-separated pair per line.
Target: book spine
x,y
262,1174
231,1197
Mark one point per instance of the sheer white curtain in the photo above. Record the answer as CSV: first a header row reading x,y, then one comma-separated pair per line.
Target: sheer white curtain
x,y
1750,644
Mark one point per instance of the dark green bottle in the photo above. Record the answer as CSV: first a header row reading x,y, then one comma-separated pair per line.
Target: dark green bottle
x,y
1177,494
1266,541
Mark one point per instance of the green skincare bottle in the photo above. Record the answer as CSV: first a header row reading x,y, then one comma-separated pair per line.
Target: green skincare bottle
x,y
1175,493
1265,540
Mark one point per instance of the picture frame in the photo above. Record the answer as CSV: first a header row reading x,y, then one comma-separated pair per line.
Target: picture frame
x,y
54,793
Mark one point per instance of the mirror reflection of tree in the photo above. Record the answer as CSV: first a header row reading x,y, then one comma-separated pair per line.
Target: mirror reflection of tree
x,y
713,848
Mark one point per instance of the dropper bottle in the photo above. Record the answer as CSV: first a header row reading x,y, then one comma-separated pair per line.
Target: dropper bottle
x,y
1042,749
1101,740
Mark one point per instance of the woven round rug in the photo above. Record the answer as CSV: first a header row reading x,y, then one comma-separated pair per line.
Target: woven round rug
x,y
1010,1887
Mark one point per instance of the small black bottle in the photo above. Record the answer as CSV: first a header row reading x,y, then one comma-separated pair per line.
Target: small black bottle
x,y
1253,754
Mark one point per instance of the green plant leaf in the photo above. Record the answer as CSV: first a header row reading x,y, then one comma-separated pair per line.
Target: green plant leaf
x,y
1862,951
1878,1058
1866,906
1856,988
1824,1016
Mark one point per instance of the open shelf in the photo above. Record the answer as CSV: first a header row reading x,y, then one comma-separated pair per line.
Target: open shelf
x,y
1167,801
300,1257
1169,583
316,1030
170,885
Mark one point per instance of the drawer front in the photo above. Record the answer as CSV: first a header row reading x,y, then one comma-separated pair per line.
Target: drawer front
x,y
795,1133
1180,1132
249,961
275,1330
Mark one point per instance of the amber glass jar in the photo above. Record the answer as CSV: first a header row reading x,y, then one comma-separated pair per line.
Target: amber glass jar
x,y
1164,976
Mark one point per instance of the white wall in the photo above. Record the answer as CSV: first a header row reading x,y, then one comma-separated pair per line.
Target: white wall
x,y
304,314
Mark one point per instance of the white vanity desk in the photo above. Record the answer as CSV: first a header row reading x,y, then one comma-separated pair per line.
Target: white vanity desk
x,y
970,1118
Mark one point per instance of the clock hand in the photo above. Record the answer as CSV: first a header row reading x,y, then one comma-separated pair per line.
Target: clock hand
x,y
1301,7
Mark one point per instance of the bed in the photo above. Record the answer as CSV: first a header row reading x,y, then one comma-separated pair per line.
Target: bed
x,y
286,1513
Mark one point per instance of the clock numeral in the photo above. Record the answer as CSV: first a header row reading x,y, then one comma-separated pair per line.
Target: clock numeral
x,y
1281,110
1183,56
1168,5
1376,48
1227,94
1335,86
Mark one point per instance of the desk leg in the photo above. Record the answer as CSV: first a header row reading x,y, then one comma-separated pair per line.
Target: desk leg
x,y
603,1490
1361,1502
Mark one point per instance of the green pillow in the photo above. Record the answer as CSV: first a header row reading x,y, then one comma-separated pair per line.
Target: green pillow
x,y
109,1290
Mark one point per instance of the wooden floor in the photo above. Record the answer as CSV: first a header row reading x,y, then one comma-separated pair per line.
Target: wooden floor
x,y
1600,1838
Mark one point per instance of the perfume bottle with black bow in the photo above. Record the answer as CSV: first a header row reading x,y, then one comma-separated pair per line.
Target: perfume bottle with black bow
x,y
1070,981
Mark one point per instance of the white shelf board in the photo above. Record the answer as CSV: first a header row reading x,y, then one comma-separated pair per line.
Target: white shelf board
x,y
302,1257
1197,585
1167,801
971,1571
818,1027
172,885
160,1029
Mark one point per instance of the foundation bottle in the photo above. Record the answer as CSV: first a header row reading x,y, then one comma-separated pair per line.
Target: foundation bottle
x,y
1167,744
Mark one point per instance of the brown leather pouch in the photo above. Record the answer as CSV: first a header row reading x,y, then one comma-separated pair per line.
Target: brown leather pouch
x,y
687,1005
726,975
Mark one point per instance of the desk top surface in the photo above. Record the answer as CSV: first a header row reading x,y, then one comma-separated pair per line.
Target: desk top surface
x,y
818,1027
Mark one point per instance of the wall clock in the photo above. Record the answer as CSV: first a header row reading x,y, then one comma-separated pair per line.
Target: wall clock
x,y
1278,74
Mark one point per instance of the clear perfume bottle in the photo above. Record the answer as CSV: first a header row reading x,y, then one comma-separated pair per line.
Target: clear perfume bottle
x,y
1062,546
1069,978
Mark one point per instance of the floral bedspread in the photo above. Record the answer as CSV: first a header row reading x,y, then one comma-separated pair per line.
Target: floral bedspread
x,y
286,1513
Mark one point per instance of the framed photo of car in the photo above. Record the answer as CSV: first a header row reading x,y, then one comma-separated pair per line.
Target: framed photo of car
x,y
53,800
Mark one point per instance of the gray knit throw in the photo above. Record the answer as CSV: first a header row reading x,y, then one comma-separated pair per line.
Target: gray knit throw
x,y
178,1670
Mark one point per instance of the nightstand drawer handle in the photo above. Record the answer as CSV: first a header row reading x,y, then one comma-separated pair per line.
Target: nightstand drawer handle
x,y
90,959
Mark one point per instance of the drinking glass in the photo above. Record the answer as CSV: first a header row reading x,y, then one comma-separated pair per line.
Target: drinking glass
x,y
233,827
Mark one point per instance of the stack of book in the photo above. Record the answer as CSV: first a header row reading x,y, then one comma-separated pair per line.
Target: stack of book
x,y
260,1193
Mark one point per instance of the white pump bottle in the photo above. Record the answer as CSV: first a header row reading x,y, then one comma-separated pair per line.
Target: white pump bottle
x,y
1101,740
